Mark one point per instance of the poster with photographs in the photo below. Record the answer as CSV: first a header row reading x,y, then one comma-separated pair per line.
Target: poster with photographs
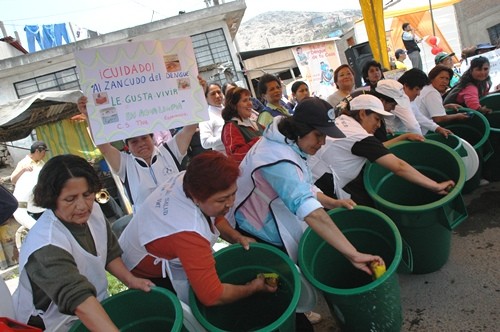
x,y
139,88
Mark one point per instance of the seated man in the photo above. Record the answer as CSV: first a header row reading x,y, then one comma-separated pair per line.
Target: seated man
x,y
25,177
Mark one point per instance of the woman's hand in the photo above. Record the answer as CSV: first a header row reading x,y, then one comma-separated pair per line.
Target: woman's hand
x,y
245,241
443,188
261,286
140,283
413,137
346,203
82,105
485,110
443,131
362,261
452,106
462,116
202,82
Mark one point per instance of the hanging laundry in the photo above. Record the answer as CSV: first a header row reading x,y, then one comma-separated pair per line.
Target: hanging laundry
x,y
49,39
60,33
32,34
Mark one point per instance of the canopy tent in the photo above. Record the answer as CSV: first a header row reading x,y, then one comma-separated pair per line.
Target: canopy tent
x,y
52,115
373,14
421,20
18,118
419,17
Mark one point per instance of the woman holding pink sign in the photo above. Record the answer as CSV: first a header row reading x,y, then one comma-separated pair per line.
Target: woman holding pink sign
x,y
147,166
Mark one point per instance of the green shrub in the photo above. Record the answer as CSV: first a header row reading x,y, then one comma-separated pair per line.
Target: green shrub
x,y
115,286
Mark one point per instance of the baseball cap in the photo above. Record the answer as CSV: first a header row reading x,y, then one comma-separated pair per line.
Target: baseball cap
x,y
394,90
441,56
319,114
368,102
485,46
398,52
39,145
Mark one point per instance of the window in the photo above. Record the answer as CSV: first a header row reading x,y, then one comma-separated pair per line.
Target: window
x,y
213,56
58,81
494,34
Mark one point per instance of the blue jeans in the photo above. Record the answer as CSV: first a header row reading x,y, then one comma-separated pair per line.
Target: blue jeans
x,y
49,39
32,33
60,32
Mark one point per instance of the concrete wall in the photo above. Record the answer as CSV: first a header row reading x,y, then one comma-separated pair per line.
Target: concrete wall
x,y
474,17
8,51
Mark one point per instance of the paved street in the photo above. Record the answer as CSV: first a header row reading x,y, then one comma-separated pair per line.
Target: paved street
x,y
464,295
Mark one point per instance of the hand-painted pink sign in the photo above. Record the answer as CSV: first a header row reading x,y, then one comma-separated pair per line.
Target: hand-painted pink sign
x,y
139,88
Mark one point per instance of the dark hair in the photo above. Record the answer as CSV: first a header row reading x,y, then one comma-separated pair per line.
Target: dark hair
x,y
336,73
129,138
478,62
207,87
414,78
297,84
467,78
209,173
264,79
54,175
405,25
226,85
355,113
383,97
232,98
437,70
366,68
293,130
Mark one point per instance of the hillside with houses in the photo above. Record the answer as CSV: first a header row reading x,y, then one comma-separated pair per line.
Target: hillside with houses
x,y
280,28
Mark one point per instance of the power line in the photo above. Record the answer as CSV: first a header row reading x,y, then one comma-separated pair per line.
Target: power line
x,y
60,14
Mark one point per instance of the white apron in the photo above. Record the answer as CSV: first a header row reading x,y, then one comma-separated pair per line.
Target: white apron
x,y
290,227
50,231
165,212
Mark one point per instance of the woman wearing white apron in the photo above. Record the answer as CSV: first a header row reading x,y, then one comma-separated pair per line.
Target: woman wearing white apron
x,y
170,238
63,260
346,157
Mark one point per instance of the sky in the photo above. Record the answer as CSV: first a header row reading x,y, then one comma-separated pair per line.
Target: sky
x,y
106,16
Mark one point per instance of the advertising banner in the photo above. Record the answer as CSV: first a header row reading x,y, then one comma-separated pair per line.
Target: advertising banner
x,y
317,62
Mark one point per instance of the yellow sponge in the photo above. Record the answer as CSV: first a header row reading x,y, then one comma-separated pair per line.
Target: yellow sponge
x,y
271,278
377,269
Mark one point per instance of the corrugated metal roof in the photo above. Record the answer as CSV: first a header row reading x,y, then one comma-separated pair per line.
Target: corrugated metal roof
x,y
16,44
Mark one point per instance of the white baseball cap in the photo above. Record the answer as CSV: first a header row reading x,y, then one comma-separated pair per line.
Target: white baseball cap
x,y
394,90
368,102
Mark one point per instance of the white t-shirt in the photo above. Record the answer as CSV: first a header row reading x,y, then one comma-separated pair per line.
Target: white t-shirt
x,y
23,190
403,121
141,179
211,130
430,102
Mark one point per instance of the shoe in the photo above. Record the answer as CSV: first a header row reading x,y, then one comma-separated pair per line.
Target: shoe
x,y
484,182
314,317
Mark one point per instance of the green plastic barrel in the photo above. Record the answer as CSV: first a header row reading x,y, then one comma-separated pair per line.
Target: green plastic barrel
x,y
359,302
424,219
476,131
259,312
137,311
452,141
491,101
491,168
